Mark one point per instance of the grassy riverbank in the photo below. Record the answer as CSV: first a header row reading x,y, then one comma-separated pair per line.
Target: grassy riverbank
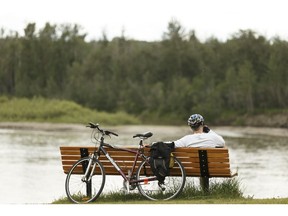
x,y
56,111
227,191
39,109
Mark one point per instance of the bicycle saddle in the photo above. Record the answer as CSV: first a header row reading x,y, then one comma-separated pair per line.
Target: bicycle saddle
x,y
144,135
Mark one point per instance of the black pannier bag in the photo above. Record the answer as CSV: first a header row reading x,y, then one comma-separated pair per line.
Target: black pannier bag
x,y
160,159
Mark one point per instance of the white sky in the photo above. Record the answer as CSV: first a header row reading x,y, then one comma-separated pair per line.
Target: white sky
x,y
148,19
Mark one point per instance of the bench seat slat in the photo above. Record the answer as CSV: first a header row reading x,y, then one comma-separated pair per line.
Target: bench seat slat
x,y
211,150
130,164
176,151
183,160
122,153
196,155
110,170
112,154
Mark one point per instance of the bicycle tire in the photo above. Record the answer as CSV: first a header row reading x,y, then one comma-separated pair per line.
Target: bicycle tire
x,y
151,189
80,191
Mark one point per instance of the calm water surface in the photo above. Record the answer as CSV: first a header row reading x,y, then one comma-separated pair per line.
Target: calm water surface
x,y
31,169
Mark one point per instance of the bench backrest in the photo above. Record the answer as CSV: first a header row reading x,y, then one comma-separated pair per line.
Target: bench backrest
x,y
198,162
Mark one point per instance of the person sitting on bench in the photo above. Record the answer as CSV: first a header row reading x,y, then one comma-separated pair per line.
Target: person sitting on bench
x,y
201,136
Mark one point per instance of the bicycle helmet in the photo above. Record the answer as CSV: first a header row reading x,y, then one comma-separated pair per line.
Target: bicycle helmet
x,y
195,121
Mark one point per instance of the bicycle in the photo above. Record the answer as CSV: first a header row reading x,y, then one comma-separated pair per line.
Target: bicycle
x,y
86,178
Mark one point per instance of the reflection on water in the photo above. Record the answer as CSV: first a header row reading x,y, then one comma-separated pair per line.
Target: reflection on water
x,y
262,163
31,169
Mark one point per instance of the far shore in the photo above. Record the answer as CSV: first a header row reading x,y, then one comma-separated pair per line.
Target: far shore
x,y
230,131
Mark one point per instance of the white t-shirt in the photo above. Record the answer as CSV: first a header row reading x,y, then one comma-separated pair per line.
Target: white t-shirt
x,y
201,140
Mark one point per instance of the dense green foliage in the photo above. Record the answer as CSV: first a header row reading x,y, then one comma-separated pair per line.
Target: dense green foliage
x,y
167,79
53,110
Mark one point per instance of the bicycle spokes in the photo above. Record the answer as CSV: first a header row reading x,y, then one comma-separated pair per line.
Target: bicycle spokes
x,y
152,189
83,186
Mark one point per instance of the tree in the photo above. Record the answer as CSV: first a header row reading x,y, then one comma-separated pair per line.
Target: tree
x,y
276,79
9,63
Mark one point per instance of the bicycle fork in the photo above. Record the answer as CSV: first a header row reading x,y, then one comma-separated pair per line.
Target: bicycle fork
x,y
88,173
87,177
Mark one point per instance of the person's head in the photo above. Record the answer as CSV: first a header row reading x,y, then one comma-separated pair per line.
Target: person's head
x,y
195,121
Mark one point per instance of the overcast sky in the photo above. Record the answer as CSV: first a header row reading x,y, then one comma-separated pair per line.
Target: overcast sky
x,y
148,19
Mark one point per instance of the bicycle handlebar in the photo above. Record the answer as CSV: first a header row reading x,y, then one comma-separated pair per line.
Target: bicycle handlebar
x,y
103,132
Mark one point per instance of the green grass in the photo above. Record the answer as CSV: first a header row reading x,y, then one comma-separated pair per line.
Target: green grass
x,y
56,111
227,191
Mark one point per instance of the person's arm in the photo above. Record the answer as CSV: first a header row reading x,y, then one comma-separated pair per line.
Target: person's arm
x,y
219,141
206,129
182,142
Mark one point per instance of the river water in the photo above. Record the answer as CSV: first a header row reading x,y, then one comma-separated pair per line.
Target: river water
x,y
31,169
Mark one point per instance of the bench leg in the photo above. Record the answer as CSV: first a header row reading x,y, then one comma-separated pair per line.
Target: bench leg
x,y
204,182
88,188
84,153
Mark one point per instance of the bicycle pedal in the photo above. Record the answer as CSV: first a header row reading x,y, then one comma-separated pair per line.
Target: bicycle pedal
x,y
162,187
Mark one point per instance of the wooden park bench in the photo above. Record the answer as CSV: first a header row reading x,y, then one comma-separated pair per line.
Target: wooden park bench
x,y
205,163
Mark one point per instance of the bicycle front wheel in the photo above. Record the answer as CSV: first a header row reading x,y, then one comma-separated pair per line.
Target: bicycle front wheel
x,y
81,188
173,184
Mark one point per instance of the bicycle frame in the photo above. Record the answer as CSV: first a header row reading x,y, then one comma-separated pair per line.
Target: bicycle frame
x,y
138,153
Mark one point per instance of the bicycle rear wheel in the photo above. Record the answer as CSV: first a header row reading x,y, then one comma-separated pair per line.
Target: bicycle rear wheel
x,y
173,184
79,188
